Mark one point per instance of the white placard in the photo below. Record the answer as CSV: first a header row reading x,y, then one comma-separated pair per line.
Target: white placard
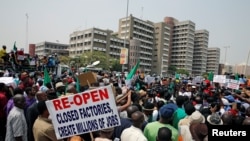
x,y
84,112
219,78
233,84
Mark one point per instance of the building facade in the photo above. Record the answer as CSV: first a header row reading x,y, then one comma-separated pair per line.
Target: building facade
x,y
182,43
32,48
134,28
213,60
95,39
199,66
242,69
161,49
47,48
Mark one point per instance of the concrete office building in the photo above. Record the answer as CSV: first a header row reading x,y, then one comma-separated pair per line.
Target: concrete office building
x,y
48,48
242,69
95,39
87,40
181,43
161,51
213,60
134,52
134,28
200,52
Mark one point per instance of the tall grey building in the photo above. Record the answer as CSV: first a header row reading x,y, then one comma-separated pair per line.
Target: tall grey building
x,y
213,60
182,43
200,52
134,28
161,50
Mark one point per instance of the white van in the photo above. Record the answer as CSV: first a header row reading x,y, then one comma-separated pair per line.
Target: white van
x,y
62,68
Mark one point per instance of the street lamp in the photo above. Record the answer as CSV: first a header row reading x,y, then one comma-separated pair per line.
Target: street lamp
x,y
247,63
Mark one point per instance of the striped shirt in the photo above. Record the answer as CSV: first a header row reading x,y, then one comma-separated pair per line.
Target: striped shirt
x,y
16,125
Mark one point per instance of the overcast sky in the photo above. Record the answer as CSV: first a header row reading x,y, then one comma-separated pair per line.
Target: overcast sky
x,y
227,21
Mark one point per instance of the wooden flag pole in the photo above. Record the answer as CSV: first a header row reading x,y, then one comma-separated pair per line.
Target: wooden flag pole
x,y
88,83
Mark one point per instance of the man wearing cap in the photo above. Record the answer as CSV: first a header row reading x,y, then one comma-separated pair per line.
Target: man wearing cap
x,y
166,112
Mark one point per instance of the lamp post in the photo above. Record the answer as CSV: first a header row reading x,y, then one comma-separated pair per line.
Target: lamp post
x,y
226,47
245,70
125,33
27,24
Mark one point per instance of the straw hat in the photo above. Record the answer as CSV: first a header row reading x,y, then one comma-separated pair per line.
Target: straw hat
x,y
197,117
214,119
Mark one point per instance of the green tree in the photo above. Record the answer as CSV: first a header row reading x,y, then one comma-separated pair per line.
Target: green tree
x,y
205,74
64,60
88,58
182,71
115,65
171,69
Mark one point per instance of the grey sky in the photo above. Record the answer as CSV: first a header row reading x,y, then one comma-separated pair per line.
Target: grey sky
x,y
227,21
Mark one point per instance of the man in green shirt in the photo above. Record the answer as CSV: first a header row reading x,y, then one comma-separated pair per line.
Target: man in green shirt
x,y
166,113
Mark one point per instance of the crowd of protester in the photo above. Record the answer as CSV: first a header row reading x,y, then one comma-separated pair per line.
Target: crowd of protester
x,y
167,109
17,60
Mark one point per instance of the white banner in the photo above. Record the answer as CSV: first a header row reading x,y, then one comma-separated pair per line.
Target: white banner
x,y
219,78
84,112
233,84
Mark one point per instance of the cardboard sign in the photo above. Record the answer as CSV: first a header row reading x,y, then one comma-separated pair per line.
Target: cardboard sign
x,y
87,78
84,112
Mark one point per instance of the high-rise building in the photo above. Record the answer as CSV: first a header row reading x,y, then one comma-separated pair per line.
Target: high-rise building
x,y
213,60
134,28
200,52
48,48
182,43
161,50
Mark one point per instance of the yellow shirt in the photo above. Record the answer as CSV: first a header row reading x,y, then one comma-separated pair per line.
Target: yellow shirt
x,y
2,52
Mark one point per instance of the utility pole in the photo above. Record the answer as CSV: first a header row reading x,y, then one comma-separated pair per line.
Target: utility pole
x,y
245,70
27,35
125,33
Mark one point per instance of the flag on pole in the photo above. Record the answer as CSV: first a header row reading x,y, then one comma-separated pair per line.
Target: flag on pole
x,y
177,76
14,47
77,85
236,77
133,71
46,77
66,88
211,76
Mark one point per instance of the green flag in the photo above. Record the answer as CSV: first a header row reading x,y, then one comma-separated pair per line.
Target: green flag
x,y
133,71
46,76
14,47
211,76
177,76
77,85
66,88
236,76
